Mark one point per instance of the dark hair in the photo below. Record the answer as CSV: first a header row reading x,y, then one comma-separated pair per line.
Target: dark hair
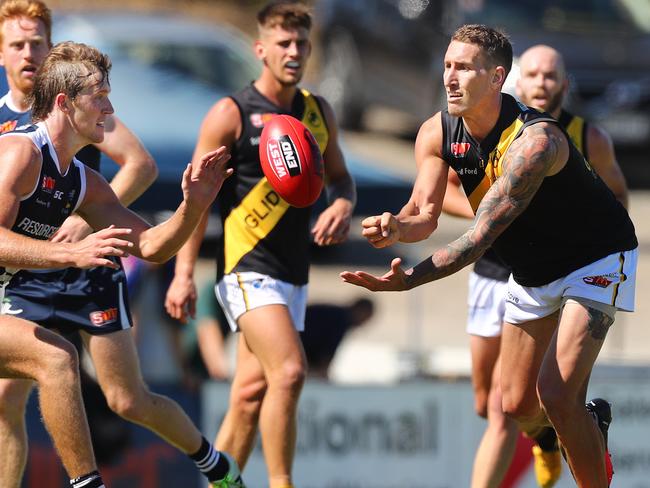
x,y
67,69
287,14
33,9
494,43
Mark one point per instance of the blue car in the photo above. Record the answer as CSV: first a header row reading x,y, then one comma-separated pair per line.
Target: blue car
x,y
167,73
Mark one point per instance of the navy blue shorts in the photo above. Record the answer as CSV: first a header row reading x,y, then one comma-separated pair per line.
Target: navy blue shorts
x,y
93,300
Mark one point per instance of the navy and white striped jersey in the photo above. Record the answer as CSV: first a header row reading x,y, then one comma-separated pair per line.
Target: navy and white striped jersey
x,y
55,196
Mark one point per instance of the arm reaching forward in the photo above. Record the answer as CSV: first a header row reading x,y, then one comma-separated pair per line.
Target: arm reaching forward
x,y
541,151
201,183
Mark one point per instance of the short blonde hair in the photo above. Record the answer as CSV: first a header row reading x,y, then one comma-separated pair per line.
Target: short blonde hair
x,y
66,69
33,9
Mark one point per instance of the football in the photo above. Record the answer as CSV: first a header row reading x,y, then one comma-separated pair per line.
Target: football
x,y
291,160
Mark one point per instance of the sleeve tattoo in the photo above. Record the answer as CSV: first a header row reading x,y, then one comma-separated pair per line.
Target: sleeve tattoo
x,y
526,163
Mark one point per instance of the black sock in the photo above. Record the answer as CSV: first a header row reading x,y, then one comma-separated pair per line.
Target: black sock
x,y
547,439
210,462
90,480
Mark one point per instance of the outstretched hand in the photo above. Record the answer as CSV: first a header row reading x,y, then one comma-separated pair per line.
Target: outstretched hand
x,y
393,280
203,180
94,249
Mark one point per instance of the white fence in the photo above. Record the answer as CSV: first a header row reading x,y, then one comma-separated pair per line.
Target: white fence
x,y
423,434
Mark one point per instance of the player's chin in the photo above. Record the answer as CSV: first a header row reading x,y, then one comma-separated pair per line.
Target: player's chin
x,y
455,110
291,79
97,136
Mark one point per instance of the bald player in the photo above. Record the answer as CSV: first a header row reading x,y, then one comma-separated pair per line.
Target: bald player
x,y
543,84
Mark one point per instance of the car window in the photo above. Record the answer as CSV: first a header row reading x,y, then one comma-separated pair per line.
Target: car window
x,y
166,75
216,66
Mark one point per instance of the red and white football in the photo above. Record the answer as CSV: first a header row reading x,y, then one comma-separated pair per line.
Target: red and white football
x,y
291,160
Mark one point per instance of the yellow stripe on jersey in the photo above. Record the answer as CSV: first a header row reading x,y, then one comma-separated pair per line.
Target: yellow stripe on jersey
x,y
251,221
494,168
314,121
575,129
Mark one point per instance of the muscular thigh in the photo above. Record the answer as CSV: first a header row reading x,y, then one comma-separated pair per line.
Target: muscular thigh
x,y
271,336
24,346
581,334
523,347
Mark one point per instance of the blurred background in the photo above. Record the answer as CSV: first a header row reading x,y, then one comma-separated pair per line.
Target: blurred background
x,y
397,387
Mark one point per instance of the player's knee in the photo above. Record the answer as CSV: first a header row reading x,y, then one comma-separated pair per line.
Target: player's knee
x,y
290,376
60,364
124,403
520,408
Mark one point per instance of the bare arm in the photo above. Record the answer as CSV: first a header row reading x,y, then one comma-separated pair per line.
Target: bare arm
x,y
603,159
542,150
137,167
220,127
419,217
137,172
20,164
333,224
456,203
201,182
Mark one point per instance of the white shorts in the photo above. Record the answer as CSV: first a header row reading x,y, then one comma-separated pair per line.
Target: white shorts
x,y
486,302
239,292
609,281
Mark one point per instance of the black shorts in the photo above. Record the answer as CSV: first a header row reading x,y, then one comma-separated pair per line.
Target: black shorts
x,y
93,300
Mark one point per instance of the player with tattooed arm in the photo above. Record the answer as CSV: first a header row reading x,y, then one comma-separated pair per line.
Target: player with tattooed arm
x,y
570,244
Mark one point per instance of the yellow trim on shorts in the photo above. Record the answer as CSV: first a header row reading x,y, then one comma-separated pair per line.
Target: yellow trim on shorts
x,y
243,291
621,259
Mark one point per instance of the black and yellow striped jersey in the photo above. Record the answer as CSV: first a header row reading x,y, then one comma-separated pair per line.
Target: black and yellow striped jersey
x,y
576,128
489,265
262,232
573,219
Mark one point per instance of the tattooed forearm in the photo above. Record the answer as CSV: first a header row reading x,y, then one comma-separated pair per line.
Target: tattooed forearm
x,y
599,323
527,162
444,262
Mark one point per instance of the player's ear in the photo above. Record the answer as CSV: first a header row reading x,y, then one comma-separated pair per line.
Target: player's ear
x,y
260,50
61,101
499,76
